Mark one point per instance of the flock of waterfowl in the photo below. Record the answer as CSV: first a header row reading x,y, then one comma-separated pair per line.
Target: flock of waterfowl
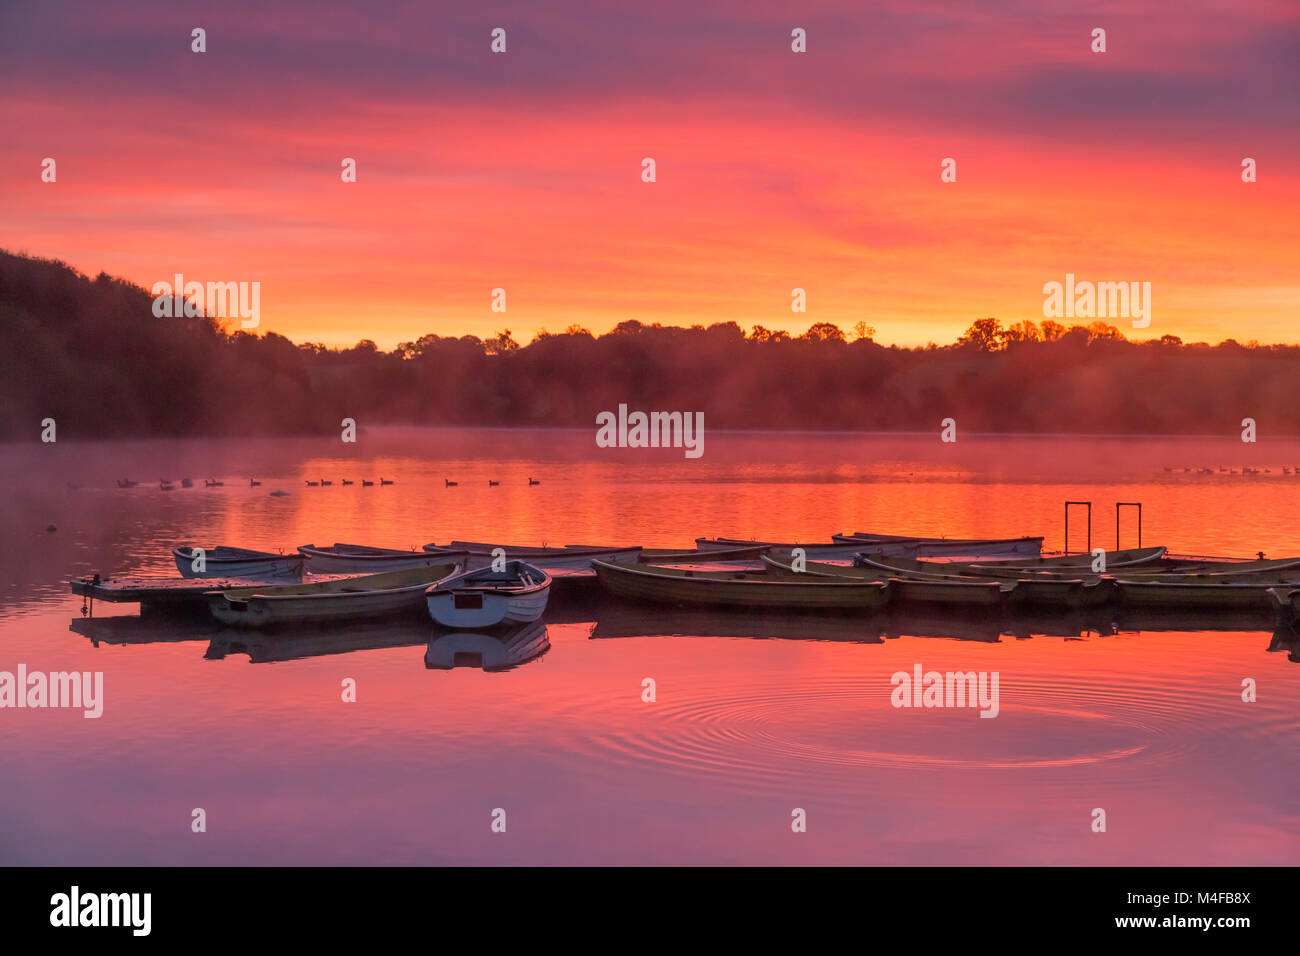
x,y
170,484
478,584
1243,470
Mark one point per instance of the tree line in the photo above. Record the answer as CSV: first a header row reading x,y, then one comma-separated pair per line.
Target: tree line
x,y
91,354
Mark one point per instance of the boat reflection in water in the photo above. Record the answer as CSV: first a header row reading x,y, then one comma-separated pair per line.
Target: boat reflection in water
x,y
499,650
131,629
299,644
494,650
502,649
261,647
615,620
1286,638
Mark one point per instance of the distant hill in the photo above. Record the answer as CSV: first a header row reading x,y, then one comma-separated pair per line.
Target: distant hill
x,y
91,354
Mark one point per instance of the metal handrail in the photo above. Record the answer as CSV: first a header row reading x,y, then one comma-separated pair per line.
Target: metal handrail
x,y
1086,504
1128,504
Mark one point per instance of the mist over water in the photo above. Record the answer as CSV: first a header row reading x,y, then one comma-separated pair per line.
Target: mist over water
x,y
755,714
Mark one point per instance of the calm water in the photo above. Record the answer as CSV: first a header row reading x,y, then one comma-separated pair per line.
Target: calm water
x,y
754,715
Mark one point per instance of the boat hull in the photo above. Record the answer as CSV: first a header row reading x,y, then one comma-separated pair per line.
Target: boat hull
x,y
471,610
958,593
1075,595
1217,596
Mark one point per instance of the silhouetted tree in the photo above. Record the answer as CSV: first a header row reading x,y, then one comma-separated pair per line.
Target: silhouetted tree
x,y
92,354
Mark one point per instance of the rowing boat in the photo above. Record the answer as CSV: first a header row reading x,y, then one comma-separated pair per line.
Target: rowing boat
x,y
892,544
823,549
577,558
931,589
516,594
490,651
360,559
225,562
750,589
370,595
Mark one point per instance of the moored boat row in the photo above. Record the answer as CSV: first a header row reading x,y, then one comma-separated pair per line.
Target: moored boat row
x,y
470,584
805,584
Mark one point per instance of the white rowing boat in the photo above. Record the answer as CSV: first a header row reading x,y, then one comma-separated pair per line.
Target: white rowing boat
x,y
516,594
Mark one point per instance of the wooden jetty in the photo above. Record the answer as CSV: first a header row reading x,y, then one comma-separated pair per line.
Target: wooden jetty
x,y
169,593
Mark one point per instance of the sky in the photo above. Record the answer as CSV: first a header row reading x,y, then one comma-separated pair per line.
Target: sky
x,y
775,170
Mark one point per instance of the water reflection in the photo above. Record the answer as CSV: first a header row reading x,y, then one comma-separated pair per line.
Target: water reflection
x,y
504,648
500,650
266,648
129,629
615,621
1287,639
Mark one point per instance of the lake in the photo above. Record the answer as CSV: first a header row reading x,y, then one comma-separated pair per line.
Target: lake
x,y
754,716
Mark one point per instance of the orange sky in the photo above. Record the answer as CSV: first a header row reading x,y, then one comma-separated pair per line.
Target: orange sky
x,y
775,170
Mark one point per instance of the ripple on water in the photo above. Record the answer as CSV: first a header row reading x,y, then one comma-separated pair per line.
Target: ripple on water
x,y
760,738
